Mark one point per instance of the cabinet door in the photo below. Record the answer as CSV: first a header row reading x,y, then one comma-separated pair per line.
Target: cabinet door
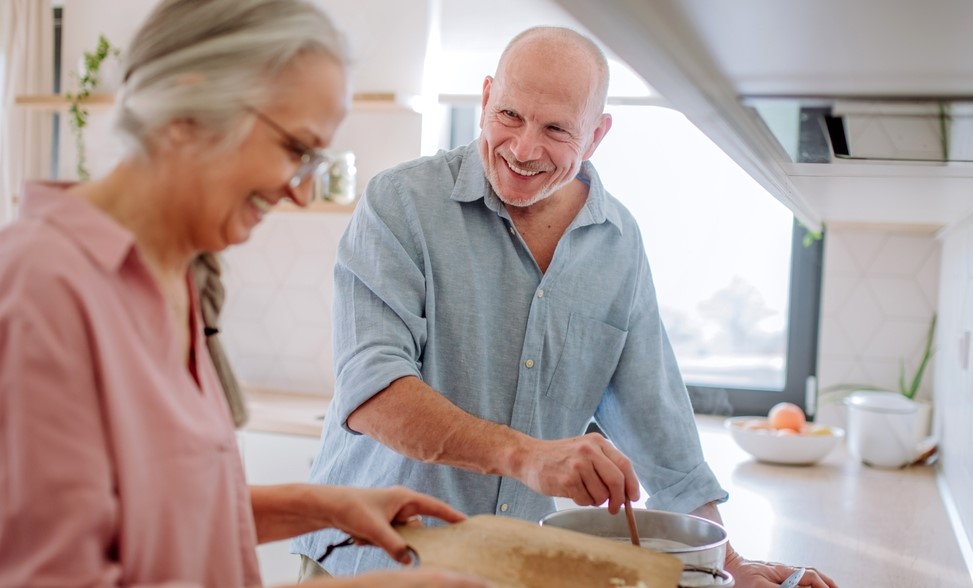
x,y
271,458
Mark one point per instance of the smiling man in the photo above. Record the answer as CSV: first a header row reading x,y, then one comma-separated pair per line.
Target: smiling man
x,y
489,302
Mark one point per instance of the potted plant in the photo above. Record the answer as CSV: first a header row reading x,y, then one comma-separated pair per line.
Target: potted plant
x,y
889,428
88,77
907,387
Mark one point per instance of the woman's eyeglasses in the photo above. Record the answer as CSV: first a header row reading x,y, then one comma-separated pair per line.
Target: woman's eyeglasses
x,y
314,162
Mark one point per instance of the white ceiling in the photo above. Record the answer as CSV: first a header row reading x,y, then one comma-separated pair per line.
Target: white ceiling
x,y
704,55
898,47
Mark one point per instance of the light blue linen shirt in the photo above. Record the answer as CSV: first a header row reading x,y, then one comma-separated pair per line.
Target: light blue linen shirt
x,y
432,280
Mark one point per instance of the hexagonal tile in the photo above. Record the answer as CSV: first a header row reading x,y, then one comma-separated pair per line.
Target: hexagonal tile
x,y
247,303
838,259
833,342
305,342
900,297
839,288
928,277
897,339
902,254
860,317
862,246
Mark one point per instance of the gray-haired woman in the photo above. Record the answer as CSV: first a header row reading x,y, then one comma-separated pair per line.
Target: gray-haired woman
x,y
118,461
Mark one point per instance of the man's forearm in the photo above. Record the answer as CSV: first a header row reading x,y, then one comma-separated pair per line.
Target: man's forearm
x,y
413,419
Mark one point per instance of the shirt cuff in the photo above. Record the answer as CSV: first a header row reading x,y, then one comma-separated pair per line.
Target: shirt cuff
x,y
697,488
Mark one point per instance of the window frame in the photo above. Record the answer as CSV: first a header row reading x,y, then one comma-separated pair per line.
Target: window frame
x,y
804,308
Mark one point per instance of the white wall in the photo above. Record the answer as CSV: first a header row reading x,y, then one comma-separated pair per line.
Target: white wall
x,y
954,372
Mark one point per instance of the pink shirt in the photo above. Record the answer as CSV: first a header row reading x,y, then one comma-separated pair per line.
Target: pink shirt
x,y
116,468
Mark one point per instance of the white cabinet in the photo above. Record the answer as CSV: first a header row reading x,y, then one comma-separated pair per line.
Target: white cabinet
x,y
274,458
954,370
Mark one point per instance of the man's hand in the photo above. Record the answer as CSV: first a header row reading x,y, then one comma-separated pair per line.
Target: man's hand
x,y
586,469
759,574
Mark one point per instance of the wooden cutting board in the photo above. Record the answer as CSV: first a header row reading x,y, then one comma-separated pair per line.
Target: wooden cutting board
x,y
517,554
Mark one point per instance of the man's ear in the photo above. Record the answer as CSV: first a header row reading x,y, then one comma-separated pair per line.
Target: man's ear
x,y
599,132
487,85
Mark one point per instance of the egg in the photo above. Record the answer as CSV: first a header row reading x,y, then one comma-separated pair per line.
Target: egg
x,y
785,415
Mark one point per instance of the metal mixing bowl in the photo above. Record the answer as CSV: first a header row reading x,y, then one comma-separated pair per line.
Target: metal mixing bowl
x,y
699,543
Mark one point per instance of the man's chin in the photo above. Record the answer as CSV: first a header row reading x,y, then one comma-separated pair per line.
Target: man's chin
x,y
523,200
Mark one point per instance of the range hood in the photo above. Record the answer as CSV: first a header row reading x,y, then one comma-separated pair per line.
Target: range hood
x,y
860,129
850,112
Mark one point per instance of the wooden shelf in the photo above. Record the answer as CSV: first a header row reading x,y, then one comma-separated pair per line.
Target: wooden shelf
x,y
318,206
59,102
386,101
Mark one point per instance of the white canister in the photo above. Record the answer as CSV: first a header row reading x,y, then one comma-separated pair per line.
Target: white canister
x,y
882,428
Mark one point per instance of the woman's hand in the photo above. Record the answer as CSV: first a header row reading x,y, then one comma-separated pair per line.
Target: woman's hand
x,y
367,514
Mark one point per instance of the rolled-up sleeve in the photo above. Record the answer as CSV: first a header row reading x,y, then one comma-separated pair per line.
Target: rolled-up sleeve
x,y
646,412
380,293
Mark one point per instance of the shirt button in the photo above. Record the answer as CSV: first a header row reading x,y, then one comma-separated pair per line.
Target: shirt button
x,y
512,231
529,363
504,507
540,293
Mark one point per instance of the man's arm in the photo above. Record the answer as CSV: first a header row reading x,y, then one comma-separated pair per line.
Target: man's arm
x,y
759,574
418,422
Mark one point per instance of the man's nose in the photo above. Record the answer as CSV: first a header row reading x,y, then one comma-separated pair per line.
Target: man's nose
x,y
527,145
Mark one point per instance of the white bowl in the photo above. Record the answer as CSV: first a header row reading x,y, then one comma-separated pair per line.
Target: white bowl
x,y
771,446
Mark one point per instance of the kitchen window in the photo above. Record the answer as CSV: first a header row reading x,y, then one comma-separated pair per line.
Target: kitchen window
x,y
738,287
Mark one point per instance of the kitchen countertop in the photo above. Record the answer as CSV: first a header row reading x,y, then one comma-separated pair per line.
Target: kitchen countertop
x,y
862,526
290,413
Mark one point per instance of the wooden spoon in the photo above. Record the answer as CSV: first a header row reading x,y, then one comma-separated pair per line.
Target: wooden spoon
x,y
633,529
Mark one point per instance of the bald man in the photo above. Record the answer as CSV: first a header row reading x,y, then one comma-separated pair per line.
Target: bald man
x,y
489,302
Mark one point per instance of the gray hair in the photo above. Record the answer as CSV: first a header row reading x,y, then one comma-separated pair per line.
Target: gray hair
x,y
207,60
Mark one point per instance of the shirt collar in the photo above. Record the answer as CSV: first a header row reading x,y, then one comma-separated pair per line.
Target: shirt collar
x,y
96,233
472,184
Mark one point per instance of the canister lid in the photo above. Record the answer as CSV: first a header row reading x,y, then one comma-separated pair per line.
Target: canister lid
x,y
889,402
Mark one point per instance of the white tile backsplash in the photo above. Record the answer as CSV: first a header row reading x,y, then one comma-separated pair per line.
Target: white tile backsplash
x,y
276,322
899,296
879,290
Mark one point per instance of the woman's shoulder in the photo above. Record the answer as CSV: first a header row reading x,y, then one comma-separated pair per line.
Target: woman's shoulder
x,y
35,257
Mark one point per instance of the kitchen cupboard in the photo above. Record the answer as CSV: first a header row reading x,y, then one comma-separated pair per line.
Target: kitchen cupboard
x,y
953,408
276,458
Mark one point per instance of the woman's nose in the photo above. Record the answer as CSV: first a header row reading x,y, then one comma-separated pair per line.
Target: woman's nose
x,y
303,193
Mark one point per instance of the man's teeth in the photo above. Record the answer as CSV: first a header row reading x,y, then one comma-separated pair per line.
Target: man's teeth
x,y
261,204
522,172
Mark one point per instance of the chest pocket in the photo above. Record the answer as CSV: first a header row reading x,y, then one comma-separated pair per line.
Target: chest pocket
x,y
584,366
